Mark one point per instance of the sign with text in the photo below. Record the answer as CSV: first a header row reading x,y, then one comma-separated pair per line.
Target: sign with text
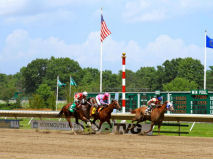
x,y
9,123
54,125
199,92
125,128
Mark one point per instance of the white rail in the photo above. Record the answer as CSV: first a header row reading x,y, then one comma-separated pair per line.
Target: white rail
x,y
118,116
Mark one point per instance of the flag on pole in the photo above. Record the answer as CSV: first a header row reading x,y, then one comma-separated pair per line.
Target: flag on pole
x,y
104,30
72,82
60,84
209,42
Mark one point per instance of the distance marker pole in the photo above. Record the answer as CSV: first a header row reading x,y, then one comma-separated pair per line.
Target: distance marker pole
x,y
123,82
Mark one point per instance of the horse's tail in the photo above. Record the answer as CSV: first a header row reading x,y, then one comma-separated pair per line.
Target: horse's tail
x,y
61,112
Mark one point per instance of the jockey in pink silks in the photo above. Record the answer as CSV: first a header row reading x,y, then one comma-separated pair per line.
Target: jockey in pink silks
x,y
102,99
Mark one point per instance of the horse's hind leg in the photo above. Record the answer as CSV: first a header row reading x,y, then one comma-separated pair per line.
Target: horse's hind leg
x,y
93,122
110,125
76,121
83,118
70,124
152,124
100,124
159,125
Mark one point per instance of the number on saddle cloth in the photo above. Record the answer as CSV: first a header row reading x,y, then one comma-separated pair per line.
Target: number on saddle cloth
x,y
93,110
72,107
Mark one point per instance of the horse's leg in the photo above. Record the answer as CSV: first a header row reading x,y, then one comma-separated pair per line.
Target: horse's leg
x,y
159,125
152,124
93,122
70,124
110,125
138,117
100,124
76,121
83,118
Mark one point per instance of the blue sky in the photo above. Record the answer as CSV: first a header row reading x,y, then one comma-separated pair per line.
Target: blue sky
x,y
149,31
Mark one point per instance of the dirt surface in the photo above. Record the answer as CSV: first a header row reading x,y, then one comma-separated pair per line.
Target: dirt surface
x,y
32,144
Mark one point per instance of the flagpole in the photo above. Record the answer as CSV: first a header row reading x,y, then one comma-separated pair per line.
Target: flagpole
x,y
70,85
204,83
101,63
57,93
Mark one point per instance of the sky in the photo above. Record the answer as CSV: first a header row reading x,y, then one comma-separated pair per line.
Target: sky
x,y
148,31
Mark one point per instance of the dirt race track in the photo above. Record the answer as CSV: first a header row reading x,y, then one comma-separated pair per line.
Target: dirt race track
x,y
19,143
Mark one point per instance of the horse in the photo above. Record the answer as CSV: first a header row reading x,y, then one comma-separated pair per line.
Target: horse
x,y
105,113
156,117
81,112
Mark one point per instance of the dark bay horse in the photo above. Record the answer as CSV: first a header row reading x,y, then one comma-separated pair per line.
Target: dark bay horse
x,y
82,112
104,115
156,117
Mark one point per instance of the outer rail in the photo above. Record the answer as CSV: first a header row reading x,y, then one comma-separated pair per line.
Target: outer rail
x,y
117,116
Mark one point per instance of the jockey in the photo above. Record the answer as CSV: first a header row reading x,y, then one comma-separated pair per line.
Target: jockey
x,y
79,98
153,102
102,99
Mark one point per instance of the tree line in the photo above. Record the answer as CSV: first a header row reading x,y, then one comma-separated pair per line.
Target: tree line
x,y
38,79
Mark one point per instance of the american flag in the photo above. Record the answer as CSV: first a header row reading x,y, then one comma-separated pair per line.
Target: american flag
x,y
104,30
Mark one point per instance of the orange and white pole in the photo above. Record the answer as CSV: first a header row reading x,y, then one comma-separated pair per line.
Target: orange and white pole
x,y
123,82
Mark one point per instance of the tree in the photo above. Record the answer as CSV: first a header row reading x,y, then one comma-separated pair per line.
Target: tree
x,y
170,69
89,80
209,79
180,84
192,70
7,94
62,67
33,74
146,78
36,102
110,81
44,91
51,101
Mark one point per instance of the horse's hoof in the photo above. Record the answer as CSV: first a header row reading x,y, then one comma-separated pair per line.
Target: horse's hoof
x,y
106,129
89,124
142,133
74,133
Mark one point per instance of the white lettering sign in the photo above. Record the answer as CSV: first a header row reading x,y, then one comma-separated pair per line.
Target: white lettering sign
x,y
54,125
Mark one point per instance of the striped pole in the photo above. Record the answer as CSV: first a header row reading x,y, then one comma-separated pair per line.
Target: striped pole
x,y
123,82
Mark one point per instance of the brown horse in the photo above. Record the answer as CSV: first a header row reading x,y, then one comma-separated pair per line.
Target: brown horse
x,y
156,117
82,112
105,113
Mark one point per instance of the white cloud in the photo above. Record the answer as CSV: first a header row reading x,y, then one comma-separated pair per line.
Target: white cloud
x,y
9,7
37,11
164,47
21,49
155,10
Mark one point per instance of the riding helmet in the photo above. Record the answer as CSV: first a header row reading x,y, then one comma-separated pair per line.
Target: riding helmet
x,y
160,98
85,93
106,94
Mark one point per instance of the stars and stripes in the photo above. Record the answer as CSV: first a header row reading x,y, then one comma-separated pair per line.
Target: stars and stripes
x,y
104,30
